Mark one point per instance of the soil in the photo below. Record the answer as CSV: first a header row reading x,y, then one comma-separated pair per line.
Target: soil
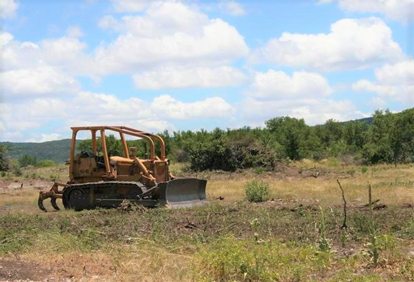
x,y
14,185
17,269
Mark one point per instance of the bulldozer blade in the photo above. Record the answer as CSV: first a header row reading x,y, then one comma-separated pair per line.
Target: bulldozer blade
x,y
54,205
183,192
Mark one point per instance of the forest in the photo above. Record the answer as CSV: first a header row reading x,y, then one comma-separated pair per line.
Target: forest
x,y
385,138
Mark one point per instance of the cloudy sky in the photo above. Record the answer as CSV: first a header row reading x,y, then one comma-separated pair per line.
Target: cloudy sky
x,y
199,64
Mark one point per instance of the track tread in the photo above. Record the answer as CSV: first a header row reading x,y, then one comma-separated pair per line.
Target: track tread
x,y
93,192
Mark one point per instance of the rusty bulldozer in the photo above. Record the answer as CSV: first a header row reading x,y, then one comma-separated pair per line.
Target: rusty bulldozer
x,y
97,179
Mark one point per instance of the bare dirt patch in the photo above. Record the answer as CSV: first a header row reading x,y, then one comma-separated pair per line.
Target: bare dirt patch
x,y
18,269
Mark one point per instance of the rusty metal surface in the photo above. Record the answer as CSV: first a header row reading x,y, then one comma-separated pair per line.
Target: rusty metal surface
x,y
153,174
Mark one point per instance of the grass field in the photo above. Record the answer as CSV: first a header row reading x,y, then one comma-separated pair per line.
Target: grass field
x,y
295,236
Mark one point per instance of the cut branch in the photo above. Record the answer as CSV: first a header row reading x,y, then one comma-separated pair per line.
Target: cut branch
x,y
344,225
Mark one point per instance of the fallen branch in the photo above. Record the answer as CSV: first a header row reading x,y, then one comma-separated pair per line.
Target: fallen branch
x,y
372,203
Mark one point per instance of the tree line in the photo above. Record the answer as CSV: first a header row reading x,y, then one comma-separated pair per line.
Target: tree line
x,y
384,138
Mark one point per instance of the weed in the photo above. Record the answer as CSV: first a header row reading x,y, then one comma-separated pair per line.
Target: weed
x,y
257,191
53,177
364,169
409,229
231,259
17,171
373,249
259,170
364,224
323,245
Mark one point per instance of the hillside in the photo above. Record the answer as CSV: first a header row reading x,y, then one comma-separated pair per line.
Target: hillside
x,y
57,151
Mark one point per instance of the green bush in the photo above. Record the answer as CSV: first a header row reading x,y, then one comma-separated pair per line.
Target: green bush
x,y
257,191
4,162
27,160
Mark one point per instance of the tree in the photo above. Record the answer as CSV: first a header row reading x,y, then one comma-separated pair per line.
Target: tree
x,y
290,133
113,145
27,160
4,162
402,137
379,147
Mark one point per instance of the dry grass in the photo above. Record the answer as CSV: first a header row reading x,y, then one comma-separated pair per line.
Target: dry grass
x,y
157,246
393,186
136,262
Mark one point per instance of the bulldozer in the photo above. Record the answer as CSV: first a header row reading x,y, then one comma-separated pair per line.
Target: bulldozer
x,y
99,180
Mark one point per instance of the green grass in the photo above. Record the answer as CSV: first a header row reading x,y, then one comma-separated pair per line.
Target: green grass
x,y
295,237
255,242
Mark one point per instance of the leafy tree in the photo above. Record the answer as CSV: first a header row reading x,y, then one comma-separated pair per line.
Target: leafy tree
x,y
113,145
378,147
402,137
290,133
4,162
27,160
354,134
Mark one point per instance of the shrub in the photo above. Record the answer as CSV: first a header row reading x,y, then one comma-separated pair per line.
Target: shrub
x,y
17,171
4,162
27,160
257,191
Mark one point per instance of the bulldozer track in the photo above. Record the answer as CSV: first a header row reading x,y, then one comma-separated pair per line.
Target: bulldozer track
x,y
103,194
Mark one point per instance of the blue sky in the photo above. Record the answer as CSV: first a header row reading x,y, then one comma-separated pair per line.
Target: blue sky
x,y
180,65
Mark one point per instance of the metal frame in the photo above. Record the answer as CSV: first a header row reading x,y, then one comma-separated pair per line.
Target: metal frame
x,y
122,130
54,193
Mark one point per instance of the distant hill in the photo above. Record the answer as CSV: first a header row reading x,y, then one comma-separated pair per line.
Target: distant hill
x,y
57,151
366,120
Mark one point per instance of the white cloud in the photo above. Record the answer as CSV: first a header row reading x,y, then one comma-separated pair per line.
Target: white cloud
x,y
36,82
8,8
350,44
173,77
313,111
301,95
168,33
47,137
324,1
166,36
88,108
231,7
278,85
393,82
17,119
213,107
400,10
130,6
65,53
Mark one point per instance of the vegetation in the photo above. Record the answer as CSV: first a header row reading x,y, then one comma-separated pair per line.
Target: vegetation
x,y
386,138
240,236
257,191
296,236
56,151
4,162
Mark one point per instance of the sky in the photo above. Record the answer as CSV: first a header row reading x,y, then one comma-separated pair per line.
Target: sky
x,y
190,65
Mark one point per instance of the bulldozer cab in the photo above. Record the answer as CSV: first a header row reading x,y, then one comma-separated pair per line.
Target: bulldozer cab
x,y
105,157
